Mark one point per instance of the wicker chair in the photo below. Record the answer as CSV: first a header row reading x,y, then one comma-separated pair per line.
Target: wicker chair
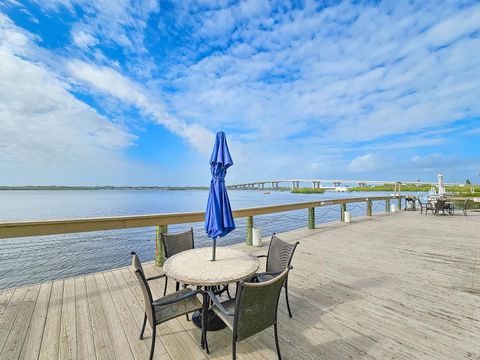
x,y
174,244
166,308
254,309
427,206
439,206
279,257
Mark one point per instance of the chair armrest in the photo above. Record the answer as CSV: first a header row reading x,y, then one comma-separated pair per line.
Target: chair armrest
x,y
187,295
218,304
262,256
156,277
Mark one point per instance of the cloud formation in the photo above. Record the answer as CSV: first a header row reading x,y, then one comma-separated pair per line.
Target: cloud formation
x,y
306,90
43,126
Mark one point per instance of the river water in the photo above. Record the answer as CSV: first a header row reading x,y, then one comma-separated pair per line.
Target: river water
x,y
38,259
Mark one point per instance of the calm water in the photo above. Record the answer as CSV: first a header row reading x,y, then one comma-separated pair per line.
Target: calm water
x,y
37,259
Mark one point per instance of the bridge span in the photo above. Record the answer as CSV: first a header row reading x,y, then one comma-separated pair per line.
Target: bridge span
x,y
331,184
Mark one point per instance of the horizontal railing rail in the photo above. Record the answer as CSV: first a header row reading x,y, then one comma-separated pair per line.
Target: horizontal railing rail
x,y
15,229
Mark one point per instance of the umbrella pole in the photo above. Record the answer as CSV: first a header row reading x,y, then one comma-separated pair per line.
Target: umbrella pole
x,y
214,249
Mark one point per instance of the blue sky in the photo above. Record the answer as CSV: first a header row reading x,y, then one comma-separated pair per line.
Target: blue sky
x,y
132,92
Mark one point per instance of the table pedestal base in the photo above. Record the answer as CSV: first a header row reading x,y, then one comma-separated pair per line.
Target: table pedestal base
x,y
213,322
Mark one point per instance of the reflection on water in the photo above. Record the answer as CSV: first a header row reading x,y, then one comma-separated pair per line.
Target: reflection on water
x,y
37,259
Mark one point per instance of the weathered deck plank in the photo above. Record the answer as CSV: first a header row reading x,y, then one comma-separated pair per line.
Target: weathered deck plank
x,y
400,286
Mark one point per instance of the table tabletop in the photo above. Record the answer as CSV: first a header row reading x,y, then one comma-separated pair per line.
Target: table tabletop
x,y
194,267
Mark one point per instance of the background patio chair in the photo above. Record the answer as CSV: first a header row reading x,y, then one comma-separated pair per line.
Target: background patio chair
x,y
174,244
427,206
166,308
254,309
439,206
279,257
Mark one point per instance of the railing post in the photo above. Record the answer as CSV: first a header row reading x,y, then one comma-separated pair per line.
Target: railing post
x,y
369,207
311,218
399,202
387,205
343,208
159,252
249,240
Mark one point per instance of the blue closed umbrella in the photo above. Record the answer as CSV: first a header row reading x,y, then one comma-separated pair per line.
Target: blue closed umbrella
x,y
218,216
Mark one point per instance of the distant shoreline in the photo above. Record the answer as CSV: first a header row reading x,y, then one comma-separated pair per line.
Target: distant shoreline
x,y
61,187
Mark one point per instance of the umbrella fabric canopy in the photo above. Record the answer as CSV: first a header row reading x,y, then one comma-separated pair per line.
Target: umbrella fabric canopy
x,y
218,216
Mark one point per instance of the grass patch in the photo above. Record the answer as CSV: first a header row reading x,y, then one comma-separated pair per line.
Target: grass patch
x,y
389,187
305,190
463,190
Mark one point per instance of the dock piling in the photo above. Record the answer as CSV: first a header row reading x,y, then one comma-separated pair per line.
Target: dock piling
x,y
343,208
249,239
311,218
369,207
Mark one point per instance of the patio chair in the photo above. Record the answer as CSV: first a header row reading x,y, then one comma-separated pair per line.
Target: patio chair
x,y
174,244
253,310
279,257
166,308
427,206
439,206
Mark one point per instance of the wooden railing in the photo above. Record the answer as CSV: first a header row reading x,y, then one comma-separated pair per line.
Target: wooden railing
x,y
161,221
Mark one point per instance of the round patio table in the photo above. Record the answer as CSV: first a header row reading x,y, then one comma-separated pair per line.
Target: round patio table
x,y
194,267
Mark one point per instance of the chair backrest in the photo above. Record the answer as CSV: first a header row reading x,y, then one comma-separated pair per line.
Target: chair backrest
x,y
280,254
440,205
147,294
176,243
256,306
136,264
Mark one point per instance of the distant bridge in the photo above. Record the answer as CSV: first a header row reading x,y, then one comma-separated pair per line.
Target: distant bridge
x,y
335,184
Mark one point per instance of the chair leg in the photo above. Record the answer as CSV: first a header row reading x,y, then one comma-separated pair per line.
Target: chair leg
x,y
143,326
234,349
177,286
276,340
165,287
286,298
228,293
152,348
204,324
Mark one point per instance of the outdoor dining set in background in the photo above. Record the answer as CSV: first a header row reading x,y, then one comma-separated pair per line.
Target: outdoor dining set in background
x,y
439,205
203,276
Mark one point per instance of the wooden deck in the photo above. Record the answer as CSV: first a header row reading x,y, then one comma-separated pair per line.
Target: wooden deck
x,y
397,286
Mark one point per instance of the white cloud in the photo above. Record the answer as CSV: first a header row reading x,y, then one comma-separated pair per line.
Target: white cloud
x,y
369,162
118,22
83,39
112,83
45,132
317,70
